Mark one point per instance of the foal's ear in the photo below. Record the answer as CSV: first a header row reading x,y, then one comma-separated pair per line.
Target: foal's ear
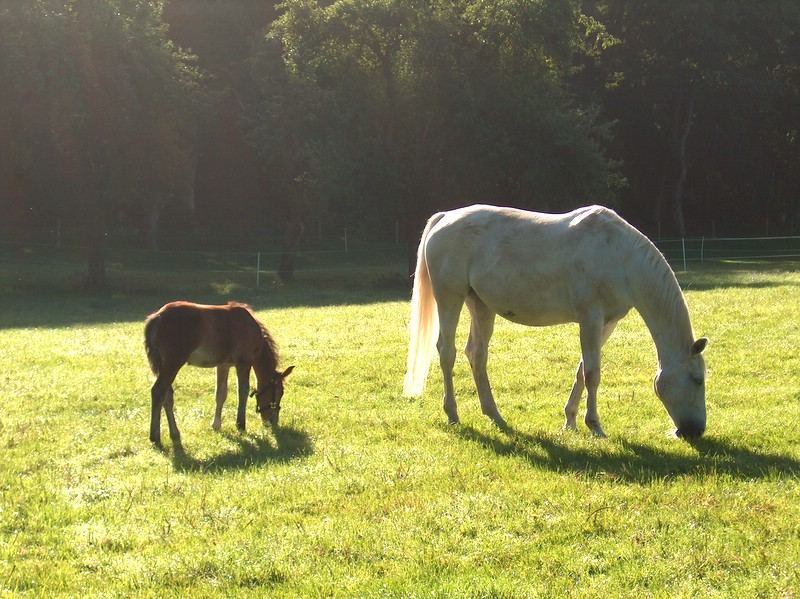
x,y
287,372
699,345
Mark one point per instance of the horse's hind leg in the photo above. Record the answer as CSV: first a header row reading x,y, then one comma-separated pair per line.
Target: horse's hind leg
x,y
169,410
220,395
477,351
449,313
156,401
159,393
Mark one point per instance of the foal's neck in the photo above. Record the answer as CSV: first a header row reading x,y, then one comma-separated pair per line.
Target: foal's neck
x,y
265,365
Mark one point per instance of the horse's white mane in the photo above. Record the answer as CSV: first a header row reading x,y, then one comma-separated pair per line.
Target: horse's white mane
x,y
661,283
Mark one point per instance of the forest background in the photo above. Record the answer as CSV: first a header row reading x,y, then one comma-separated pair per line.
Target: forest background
x,y
248,123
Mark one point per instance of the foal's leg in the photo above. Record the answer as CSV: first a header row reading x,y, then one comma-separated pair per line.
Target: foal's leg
x,y
477,351
593,333
169,409
220,394
449,312
243,388
158,395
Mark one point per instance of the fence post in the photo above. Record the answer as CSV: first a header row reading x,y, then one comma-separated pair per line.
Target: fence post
x,y
345,240
258,270
683,247
702,248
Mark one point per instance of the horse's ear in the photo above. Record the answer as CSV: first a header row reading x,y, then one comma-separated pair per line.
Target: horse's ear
x,y
699,345
287,372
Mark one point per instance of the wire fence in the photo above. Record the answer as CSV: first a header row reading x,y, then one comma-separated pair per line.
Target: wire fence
x,y
685,253
383,263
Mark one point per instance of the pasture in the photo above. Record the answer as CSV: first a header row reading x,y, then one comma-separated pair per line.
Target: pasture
x,y
362,492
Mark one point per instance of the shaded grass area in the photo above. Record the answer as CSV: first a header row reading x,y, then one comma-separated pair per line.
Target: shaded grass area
x,y
364,493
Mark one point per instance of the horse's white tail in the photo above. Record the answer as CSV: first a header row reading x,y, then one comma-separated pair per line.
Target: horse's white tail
x,y
424,326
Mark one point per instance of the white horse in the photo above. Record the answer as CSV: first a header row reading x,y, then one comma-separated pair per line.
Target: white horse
x,y
587,266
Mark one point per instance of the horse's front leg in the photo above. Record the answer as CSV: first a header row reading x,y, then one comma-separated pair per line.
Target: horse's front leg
x,y
220,395
594,333
243,387
573,403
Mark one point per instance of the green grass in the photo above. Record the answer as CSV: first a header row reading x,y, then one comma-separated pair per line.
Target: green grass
x,y
362,492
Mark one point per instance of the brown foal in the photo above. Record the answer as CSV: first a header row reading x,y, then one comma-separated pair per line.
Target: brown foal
x,y
212,336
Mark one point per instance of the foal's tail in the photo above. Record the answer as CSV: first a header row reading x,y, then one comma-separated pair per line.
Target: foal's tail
x,y
424,325
153,356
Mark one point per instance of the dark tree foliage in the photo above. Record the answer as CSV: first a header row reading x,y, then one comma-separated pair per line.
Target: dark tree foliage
x,y
381,110
95,118
707,99
232,193
684,115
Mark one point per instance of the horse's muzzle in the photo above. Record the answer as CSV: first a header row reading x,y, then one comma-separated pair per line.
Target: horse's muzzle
x,y
690,430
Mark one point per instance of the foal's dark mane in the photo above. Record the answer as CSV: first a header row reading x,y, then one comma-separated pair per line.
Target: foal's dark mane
x,y
270,346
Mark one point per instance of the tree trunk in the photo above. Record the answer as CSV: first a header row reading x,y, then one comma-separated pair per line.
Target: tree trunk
x,y
680,135
291,239
96,276
152,226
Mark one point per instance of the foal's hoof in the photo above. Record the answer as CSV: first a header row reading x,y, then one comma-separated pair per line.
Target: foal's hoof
x,y
452,420
500,422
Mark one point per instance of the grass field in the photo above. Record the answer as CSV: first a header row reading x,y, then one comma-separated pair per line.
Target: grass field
x,y
364,493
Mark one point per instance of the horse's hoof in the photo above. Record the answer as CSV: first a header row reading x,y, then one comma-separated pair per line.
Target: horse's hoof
x,y
453,420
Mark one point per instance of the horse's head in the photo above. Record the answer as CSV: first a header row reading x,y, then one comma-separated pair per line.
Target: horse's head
x,y
268,398
681,387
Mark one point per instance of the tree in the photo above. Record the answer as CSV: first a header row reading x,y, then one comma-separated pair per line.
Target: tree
x,y
234,196
384,110
706,96
111,101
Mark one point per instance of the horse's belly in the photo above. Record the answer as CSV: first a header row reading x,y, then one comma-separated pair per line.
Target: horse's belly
x,y
205,357
531,309
541,316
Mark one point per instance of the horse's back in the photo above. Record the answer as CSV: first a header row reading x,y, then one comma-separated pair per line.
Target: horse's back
x,y
534,268
201,334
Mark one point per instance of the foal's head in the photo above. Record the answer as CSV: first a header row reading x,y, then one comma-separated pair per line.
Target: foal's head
x,y
682,389
268,397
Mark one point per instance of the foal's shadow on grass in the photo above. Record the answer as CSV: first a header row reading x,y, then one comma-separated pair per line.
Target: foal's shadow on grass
x,y
636,463
252,450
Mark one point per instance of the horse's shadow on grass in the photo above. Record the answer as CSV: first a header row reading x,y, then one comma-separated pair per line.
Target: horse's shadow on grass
x,y
635,462
250,451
